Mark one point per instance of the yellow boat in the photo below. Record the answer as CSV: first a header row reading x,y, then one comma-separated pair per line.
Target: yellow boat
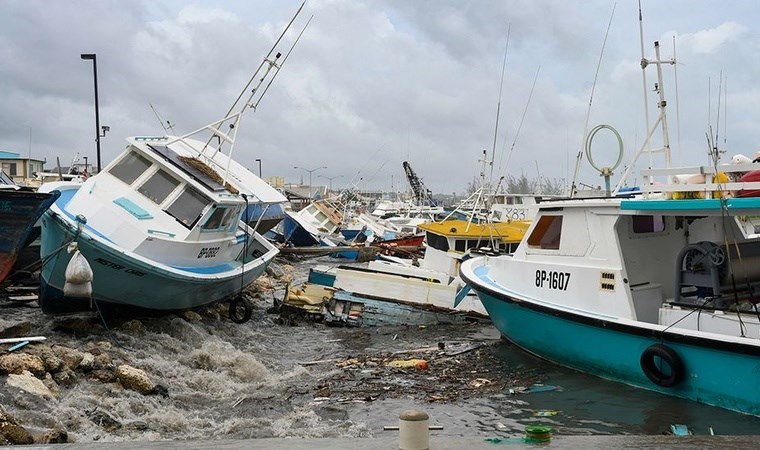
x,y
460,235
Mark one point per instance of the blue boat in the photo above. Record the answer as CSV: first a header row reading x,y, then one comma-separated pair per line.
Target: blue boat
x,y
658,289
316,224
264,217
20,209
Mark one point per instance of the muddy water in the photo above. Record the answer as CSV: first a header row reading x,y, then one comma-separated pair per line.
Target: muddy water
x,y
247,381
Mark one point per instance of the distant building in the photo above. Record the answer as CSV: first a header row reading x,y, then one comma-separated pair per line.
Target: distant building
x,y
20,169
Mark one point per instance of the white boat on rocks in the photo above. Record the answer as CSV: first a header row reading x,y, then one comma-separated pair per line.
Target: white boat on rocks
x,y
164,226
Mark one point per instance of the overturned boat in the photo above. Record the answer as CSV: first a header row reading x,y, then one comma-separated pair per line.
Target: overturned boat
x,y
166,225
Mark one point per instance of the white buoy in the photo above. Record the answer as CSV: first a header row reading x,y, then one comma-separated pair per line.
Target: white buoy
x,y
78,276
413,432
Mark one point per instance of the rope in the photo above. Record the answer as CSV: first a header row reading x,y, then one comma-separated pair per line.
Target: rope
x,y
245,245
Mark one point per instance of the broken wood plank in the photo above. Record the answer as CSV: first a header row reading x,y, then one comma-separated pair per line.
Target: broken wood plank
x,y
23,298
320,361
21,288
22,339
417,350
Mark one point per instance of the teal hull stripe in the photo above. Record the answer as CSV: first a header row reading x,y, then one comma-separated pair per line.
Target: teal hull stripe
x,y
690,204
222,268
713,376
487,285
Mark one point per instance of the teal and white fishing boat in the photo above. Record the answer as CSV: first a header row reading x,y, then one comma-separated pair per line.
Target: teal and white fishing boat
x,y
165,225
656,289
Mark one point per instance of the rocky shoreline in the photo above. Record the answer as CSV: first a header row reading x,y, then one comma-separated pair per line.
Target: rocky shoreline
x,y
197,375
45,371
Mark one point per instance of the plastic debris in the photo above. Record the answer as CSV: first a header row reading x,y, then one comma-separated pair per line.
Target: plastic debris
x,y
545,413
478,382
18,346
680,430
405,363
78,274
540,388
458,350
503,441
538,433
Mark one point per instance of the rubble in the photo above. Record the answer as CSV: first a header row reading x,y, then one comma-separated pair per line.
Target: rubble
x,y
427,374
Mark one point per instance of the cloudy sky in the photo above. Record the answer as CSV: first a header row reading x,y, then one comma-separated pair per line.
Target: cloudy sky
x,y
376,82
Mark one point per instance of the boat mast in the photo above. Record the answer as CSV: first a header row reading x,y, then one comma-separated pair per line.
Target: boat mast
x,y
662,120
579,157
232,119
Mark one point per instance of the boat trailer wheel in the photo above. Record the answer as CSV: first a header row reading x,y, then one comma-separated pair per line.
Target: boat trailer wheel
x,y
240,309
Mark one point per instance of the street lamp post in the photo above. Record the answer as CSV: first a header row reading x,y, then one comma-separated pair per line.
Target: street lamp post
x,y
330,178
93,57
259,162
310,172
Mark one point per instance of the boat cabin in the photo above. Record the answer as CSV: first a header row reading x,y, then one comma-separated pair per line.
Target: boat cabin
x,y
157,202
450,241
652,261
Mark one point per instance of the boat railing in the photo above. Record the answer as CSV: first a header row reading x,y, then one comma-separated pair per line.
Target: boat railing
x,y
716,179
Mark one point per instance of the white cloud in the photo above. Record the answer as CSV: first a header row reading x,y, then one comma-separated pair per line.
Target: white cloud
x,y
418,80
707,42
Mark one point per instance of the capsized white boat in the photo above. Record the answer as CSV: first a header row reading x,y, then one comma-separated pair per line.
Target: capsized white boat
x,y
163,226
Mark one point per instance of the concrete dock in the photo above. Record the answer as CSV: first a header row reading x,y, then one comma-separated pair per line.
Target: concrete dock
x,y
436,443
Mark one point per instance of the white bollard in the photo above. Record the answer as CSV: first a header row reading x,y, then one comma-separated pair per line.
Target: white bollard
x,y
413,432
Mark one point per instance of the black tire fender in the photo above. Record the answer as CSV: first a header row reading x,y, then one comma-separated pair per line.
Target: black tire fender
x,y
240,309
668,356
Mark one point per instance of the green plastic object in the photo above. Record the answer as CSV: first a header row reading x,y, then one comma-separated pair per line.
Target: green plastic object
x,y
538,433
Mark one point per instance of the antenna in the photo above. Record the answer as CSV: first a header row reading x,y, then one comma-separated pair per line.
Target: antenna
x,y
167,126
678,107
725,113
525,112
661,121
717,110
644,63
232,120
498,104
591,99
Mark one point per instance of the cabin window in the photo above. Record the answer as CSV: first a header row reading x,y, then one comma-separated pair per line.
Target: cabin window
x,y
12,171
437,241
459,245
220,219
187,208
648,224
159,186
547,233
131,167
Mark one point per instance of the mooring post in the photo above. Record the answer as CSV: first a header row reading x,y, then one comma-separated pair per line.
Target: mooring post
x,y
413,432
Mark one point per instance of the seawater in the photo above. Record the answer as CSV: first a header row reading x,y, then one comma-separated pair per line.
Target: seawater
x,y
245,381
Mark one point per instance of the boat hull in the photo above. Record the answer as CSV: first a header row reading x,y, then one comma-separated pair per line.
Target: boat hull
x,y
19,210
716,373
397,288
296,234
119,278
263,218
